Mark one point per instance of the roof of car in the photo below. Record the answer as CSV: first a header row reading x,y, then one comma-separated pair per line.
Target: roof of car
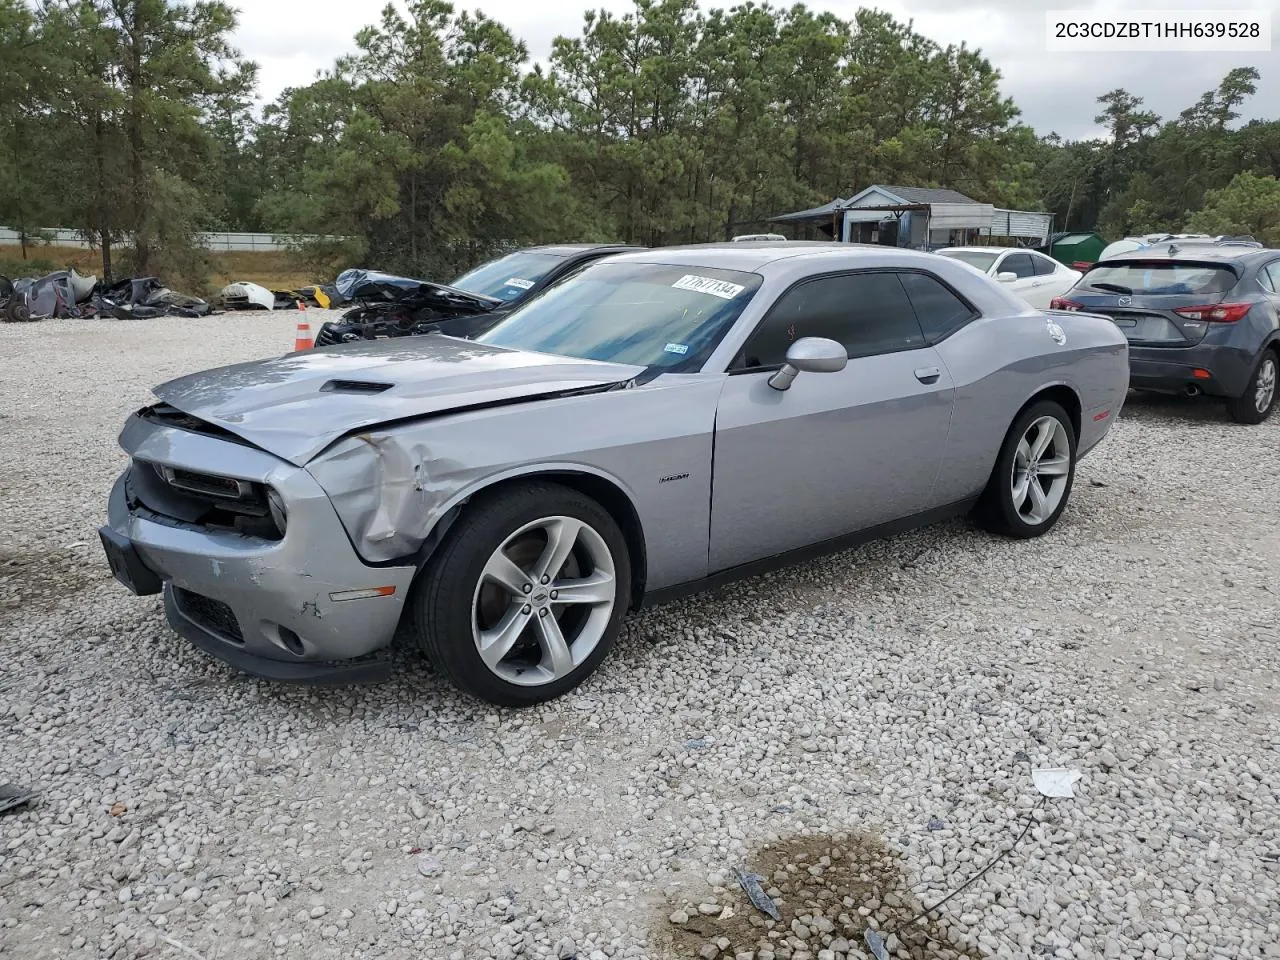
x,y
995,250
749,256
569,249
1201,250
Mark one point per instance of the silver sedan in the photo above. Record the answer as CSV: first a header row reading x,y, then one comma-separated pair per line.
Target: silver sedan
x,y
659,422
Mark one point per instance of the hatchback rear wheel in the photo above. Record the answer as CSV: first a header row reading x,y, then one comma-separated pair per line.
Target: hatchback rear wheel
x,y
1259,397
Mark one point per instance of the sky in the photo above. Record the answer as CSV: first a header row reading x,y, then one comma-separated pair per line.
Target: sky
x,y
293,39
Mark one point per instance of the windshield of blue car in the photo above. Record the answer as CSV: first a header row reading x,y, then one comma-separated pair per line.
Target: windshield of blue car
x,y
1159,278
662,317
508,277
974,258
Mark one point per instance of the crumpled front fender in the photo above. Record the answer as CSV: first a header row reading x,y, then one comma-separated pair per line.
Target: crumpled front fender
x,y
380,486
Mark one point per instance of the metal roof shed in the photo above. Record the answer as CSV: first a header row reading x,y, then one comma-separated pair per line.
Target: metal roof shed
x,y
1021,225
919,212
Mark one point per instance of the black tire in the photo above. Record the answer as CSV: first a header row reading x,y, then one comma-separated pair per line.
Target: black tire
x,y
1244,408
16,311
997,511
442,599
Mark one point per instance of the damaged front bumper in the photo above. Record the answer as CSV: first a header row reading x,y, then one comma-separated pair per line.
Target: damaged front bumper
x,y
303,607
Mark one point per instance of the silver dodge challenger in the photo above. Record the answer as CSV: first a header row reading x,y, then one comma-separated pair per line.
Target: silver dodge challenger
x,y
658,422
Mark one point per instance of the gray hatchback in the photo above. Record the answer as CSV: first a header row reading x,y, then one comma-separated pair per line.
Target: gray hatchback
x,y
1201,318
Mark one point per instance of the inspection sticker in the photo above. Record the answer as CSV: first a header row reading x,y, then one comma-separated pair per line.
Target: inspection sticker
x,y
519,282
717,288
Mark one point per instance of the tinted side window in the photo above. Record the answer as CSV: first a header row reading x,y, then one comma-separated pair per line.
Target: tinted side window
x,y
1019,263
1273,274
1043,266
868,313
940,312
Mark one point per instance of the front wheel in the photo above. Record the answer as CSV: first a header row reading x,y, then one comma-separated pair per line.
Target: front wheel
x,y
1031,482
526,595
1259,397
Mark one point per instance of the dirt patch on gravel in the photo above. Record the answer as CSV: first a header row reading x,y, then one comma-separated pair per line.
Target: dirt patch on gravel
x,y
828,891
39,579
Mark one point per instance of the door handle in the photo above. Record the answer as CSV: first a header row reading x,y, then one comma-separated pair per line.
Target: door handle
x,y
928,374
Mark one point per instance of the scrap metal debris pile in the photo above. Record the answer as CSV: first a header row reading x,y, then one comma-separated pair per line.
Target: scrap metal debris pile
x,y
246,295
391,306
65,293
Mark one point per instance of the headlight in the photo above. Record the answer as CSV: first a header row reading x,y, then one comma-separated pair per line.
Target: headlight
x,y
278,513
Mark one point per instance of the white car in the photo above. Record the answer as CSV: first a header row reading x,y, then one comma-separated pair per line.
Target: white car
x,y
1035,278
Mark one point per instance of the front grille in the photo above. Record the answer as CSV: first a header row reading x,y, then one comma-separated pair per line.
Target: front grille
x,y
327,336
206,500
206,483
209,613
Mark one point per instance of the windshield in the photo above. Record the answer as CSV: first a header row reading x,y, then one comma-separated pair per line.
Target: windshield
x,y
508,277
1159,278
648,314
974,258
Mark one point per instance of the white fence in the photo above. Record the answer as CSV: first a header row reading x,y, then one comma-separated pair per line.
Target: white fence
x,y
64,237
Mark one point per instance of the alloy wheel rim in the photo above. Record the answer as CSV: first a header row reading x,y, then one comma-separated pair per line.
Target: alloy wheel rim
x,y
543,601
1041,467
1266,389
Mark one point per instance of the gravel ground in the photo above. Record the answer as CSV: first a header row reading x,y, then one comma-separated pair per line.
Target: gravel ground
x,y
859,732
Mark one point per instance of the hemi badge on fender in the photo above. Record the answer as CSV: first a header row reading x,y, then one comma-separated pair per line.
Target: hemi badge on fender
x,y
1102,416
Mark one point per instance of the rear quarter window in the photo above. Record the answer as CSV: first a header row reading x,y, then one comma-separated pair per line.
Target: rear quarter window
x,y
1160,278
1043,265
940,312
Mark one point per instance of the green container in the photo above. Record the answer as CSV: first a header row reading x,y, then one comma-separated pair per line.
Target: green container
x,y
1077,249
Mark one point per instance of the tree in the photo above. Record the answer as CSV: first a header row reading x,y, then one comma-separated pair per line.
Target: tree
x,y
84,105
1215,109
415,147
236,178
1249,204
25,160
132,80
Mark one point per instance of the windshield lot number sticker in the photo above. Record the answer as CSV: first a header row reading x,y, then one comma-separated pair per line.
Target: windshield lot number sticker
x,y
717,288
519,282
680,348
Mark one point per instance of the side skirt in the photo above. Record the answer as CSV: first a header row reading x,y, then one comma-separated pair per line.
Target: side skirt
x,y
822,548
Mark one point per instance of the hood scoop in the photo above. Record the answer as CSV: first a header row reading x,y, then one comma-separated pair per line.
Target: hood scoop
x,y
355,386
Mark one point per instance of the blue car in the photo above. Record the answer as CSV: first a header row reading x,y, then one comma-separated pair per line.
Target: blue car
x,y
1201,318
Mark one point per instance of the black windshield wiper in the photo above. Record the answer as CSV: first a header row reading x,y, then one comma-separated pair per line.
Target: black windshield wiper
x,y
1113,287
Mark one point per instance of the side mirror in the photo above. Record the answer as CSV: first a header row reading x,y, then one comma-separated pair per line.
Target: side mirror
x,y
1006,276
811,355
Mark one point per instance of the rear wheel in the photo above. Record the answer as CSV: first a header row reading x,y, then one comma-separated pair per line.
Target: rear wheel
x,y
1259,397
1031,483
526,595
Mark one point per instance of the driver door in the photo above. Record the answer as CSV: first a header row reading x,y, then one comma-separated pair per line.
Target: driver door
x,y
836,452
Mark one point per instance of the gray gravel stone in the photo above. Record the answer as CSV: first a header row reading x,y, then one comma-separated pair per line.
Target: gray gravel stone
x,y
909,680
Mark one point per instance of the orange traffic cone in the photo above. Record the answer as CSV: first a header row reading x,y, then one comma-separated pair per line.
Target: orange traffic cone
x,y
303,339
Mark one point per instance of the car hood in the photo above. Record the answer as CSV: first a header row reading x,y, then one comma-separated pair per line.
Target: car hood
x,y
297,405
371,285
